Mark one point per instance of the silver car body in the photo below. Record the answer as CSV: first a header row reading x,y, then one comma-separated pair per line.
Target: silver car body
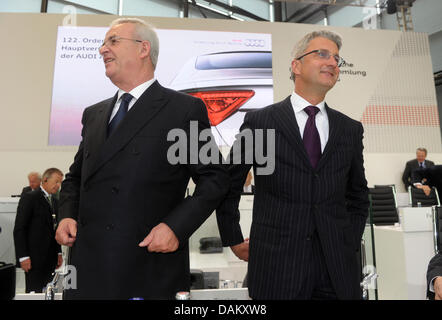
x,y
232,72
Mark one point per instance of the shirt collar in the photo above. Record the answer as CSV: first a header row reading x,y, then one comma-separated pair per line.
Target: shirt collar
x,y
137,91
299,103
45,192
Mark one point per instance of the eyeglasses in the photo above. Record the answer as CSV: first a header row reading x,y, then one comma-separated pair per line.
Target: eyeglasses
x,y
325,55
112,41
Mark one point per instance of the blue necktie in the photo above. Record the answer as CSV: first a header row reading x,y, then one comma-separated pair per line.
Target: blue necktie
x,y
311,139
125,99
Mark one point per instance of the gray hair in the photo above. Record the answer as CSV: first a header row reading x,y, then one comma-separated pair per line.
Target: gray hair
x,y
146,32
302,44
422,149
49,172
34,174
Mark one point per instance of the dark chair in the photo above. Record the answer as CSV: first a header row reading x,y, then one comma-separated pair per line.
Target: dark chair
x,y
437,228
377,186
383,205
7,280
418,196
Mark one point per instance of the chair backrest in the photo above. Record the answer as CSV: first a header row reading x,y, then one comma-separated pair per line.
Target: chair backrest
x,y
418,198
383,205
437,228
392,186
377,186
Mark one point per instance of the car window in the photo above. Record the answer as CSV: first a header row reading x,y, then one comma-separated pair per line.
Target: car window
x,y
233,60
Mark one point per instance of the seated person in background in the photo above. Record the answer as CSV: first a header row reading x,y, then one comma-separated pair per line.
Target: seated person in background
x,y
34,179
434,278
419,163
426,178
249,188
37,252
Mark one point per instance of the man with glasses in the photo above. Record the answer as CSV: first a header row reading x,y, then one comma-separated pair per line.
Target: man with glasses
x,y
122,204
309,214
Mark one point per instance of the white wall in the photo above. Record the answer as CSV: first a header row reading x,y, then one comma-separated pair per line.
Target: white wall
x,y
27,72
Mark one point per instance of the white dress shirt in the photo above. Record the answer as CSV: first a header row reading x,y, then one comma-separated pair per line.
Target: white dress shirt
x,y
135,93
321,119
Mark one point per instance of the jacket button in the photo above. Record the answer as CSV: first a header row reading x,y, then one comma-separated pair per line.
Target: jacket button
x,y
109,227
309,238
115,190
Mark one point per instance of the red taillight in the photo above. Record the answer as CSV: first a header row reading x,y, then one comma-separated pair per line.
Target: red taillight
x,y
221,104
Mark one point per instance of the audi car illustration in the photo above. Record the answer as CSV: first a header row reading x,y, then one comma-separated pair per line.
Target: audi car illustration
x,y
230,84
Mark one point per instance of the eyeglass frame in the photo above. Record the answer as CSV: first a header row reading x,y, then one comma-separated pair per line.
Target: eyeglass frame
x,y
339,60
116,39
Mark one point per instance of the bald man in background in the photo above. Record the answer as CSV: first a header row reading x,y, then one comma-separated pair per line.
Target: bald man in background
x,y
34,179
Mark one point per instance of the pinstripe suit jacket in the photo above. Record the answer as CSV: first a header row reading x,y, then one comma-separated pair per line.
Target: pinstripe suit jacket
x,y
295,200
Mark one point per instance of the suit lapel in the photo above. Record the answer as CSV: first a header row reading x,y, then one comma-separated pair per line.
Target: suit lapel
x,y
99,130
146,107
285,117
335,128
45,202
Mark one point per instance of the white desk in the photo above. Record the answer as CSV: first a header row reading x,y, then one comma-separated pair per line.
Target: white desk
x,y
8,211
402,255
226,263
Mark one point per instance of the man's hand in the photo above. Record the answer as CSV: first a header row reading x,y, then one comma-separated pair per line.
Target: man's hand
x,y
66,232
425,188
242,250
160,239
437,288
26,265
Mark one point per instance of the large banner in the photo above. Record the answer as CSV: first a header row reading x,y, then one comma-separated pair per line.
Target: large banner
x,y
231,72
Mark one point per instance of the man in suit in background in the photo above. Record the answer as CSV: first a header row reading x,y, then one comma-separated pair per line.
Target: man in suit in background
x,y
122,205
427,178
34,179
419,163
434,278
309,214
37,252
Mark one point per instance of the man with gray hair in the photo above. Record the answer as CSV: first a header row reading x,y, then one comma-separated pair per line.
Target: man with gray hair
x,y
421,162
309,214
36,251
122,206
34,179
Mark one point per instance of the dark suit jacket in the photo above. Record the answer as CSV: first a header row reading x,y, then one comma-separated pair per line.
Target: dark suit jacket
x,y
432,174
434,270
119,188
25,190
296,200
34,234
411,166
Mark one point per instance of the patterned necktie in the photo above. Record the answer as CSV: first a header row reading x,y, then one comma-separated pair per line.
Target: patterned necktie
x,y
125,99
49,199
311,139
